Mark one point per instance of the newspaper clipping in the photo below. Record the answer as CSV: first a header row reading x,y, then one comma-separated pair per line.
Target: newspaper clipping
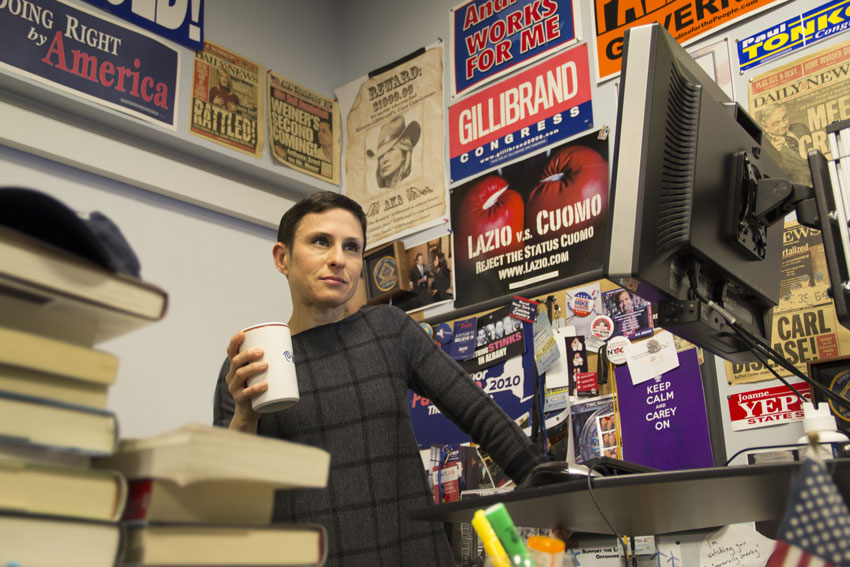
x,y
794,104
804,324
394,149
226,99
303,128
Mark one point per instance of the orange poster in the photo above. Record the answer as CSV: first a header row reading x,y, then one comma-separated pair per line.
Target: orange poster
x,y
686,20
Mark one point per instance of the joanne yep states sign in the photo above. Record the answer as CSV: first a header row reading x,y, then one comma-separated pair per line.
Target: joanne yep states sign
x,y
178,20
493,37
538,107
537,220
76,51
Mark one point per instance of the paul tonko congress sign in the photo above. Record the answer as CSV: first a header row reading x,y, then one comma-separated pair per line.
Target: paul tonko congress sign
x,y
545,104
76,51
534,221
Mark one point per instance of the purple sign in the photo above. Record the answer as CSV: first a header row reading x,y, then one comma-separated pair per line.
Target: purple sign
x,y
76,51
663,422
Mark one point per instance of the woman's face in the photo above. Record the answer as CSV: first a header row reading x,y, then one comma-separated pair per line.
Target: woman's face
x,y
390,161
326,259
224,80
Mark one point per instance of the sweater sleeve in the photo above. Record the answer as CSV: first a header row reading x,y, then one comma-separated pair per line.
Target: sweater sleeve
x,y
436,376
223,404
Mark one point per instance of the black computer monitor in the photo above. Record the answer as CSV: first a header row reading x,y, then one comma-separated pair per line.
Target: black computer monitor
x,y
687,231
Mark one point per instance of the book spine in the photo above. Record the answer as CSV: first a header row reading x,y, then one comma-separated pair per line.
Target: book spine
x,y
138,500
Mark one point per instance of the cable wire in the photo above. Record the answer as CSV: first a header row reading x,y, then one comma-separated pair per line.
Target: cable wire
x,y
604,517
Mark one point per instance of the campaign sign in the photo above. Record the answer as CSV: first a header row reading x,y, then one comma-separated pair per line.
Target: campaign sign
x,y
74,50
493,37
663,421
538,107
181,21
764,407
538,220
794,33
510,383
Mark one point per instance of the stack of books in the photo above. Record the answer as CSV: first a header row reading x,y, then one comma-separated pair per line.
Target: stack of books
x,y
203,495
55,307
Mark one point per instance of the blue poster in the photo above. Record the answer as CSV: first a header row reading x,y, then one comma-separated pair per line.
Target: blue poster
x,y
491,39
181,21
794,33
511,385
74,50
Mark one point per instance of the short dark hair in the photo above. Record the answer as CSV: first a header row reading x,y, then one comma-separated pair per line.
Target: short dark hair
x,y
316,203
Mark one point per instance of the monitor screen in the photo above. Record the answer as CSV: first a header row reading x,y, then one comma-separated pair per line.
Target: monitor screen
x,y
684,157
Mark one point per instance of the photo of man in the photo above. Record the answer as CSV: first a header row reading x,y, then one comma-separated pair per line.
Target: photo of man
x,y
784,136
325,140
394,153
632,315
221,93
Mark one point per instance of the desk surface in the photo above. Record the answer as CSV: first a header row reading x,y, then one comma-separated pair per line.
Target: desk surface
x,y
649,503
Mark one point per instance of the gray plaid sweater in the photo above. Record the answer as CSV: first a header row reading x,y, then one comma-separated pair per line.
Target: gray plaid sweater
x,y
353,378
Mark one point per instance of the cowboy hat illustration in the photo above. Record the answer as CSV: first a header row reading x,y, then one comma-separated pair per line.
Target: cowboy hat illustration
x,y
392,132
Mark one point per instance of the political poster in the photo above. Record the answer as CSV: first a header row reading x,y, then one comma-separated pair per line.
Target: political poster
x,y
795,33
795,103
686,20
303,128
92,57
491,38
227,100
764,407
511,385
663,421
804,327
181,21
394,164
498,337
543,105
537,220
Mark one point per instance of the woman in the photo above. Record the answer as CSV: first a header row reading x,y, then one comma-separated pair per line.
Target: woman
x,y
354,374
442,282
395,151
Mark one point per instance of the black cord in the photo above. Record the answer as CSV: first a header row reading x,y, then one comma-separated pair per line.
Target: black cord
x,y
604,517
755,345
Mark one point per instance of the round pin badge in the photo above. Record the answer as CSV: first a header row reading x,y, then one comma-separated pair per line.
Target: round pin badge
x,y
602,327
443,332
582,304
427,328
385,274
617,349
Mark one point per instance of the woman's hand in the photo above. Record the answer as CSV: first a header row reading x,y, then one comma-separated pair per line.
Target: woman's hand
x,y
244,365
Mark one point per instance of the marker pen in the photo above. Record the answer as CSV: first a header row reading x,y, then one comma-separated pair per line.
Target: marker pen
x,y
490,540
507,533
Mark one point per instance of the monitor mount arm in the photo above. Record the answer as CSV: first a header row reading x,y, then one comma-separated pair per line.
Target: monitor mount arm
x,y
761,201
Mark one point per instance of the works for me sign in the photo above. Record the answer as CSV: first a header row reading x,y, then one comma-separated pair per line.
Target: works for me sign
x,y
97,59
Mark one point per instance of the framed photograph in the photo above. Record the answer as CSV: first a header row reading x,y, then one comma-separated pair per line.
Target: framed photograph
x,y
833,373
385,271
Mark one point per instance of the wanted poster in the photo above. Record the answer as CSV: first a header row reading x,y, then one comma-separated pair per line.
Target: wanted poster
x,y
794,104
227,100
394,164
303,128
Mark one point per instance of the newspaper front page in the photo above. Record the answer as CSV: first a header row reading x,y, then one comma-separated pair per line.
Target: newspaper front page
x,y
227,100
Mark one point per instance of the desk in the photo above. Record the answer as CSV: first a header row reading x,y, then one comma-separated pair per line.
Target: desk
x,y
649,503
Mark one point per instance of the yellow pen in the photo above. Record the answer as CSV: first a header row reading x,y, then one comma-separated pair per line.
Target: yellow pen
x,y
492,545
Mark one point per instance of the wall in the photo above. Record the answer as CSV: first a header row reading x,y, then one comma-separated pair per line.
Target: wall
x,y
216,266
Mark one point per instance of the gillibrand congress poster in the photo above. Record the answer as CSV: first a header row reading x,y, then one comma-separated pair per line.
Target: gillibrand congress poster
x,y
535,221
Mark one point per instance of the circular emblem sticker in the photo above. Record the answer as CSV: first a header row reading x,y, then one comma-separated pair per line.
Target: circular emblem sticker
x,y
617,348
602,327
582,304
385,274
427,328
443,332
840,385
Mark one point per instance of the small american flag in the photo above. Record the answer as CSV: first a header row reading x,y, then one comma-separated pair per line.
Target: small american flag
x,y
815,531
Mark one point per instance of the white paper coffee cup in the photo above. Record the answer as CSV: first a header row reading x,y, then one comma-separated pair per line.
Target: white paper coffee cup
x,y
276,342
